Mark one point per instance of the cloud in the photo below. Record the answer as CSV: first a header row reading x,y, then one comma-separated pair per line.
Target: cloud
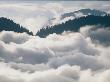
x,y
101,36
64,73
98,36
84,61
29,67
53,52
17,38
69,57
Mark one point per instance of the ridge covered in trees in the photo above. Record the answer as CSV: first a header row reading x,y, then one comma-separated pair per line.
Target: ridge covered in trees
x,y
9,25
75,24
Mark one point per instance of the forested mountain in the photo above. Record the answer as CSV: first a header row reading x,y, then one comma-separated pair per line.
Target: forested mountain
x,y
75,24
9,25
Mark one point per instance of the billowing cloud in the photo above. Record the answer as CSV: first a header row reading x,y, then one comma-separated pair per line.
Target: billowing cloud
x,y
64,73
98,36
69,57
9,37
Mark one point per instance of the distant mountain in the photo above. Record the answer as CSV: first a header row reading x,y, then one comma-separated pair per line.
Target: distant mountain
x,y
76,14
83,12
9,25
75,24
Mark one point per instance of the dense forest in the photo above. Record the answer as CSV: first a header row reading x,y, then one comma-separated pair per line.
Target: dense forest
x,y
9,25
75,24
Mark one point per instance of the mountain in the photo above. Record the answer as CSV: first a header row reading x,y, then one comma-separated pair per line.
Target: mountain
x,y
76,14
75,24
83,12
9,25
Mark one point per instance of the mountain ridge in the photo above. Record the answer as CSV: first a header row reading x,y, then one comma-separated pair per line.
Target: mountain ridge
x,y
76,14
9,25
75,24
84,12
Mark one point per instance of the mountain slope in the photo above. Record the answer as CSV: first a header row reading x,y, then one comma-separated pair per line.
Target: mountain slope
x,y
9,25
75,24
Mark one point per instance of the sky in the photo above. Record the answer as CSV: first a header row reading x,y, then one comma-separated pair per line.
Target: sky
x,y
66,57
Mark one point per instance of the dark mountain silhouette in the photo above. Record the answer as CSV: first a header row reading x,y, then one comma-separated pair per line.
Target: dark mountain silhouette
x,y
75,24
9,25
84,12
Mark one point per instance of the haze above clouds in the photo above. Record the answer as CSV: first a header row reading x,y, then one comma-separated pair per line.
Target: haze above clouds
x,y
35,15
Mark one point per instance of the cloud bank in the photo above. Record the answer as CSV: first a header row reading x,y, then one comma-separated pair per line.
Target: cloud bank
x,y
69,57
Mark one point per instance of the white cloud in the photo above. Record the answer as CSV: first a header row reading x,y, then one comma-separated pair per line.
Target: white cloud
x,y
64,73
56,50
98,34
9,37
76,59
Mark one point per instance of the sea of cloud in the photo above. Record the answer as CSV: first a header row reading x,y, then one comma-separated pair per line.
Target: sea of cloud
x,y
69,57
